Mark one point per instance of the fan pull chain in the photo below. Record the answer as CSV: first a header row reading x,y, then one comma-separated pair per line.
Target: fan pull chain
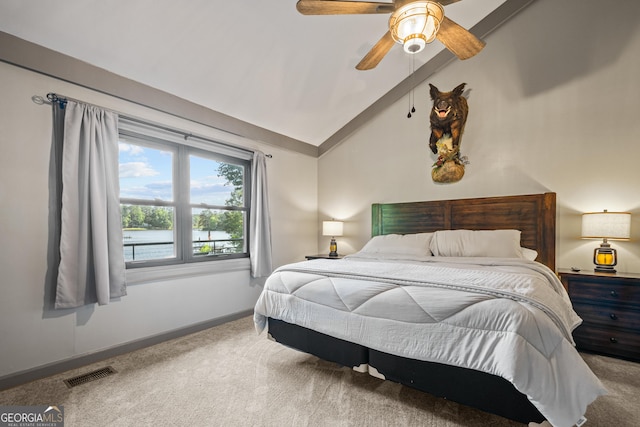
x,y
411,94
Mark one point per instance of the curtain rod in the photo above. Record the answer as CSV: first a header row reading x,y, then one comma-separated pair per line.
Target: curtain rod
x,y
53,97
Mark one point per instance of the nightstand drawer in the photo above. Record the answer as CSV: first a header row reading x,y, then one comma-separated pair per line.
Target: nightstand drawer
x,y
608,341
609,316
609,305
614,293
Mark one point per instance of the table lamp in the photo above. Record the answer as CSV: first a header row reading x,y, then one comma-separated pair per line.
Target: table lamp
x,y
332,228
606,225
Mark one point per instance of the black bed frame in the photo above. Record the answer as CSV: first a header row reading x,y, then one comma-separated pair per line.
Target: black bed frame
x,y
534,215
466,386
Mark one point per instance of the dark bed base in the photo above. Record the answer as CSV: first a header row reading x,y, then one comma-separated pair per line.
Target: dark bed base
x,y
465,386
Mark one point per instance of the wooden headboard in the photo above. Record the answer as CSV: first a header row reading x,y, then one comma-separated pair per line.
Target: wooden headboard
x,y
534,215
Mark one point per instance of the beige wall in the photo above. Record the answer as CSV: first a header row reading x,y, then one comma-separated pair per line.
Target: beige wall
x,y
553,107
33,336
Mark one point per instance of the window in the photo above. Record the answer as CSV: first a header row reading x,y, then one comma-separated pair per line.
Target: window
x,y
183,199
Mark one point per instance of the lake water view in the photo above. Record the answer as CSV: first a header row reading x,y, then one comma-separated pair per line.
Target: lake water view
x,y
143,252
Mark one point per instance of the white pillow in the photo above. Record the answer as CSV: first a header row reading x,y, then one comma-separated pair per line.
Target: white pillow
x,y
529,254
477,243
397,246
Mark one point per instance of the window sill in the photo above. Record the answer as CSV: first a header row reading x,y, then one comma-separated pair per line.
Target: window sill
x,y
154,274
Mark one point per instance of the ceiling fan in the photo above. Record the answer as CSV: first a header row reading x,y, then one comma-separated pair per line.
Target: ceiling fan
x,y
412,24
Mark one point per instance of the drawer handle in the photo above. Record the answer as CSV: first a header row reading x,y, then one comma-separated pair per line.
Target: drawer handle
x,y
614,294
613,340
613,316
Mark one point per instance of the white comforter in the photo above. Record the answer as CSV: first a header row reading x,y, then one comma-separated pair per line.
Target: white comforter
x,y
506,317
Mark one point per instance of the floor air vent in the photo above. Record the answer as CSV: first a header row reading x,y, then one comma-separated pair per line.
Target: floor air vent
x,y
91,376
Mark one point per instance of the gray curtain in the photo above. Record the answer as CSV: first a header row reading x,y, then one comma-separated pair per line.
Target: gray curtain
x,y
260,220
91,267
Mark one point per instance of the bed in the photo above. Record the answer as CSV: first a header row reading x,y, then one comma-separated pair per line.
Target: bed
x,y
470,313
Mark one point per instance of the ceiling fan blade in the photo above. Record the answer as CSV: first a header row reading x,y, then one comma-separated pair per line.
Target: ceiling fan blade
x,y
447,2
461,42
376,53
331,7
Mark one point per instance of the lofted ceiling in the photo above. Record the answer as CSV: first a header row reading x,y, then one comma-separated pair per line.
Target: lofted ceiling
x,y
258,61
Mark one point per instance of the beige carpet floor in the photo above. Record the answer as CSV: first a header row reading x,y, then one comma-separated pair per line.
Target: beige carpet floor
x,y
229,376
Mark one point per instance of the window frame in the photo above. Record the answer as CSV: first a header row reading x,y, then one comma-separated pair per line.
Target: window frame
x,y
183,146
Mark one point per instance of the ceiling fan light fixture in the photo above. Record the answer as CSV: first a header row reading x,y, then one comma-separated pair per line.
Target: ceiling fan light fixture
x,y
415,24
414,44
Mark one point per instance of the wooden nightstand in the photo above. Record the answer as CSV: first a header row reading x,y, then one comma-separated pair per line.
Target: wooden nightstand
x,y
323,256
609,305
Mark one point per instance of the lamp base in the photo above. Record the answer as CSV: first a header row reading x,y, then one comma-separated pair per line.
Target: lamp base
x,y
333,248
605,258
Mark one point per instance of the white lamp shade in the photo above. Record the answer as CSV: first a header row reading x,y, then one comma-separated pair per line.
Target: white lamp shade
x,y
332,228
606,225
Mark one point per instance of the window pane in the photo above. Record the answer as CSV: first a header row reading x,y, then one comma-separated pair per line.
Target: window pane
x,y
180,203
148,232
145,173
217,232
216,183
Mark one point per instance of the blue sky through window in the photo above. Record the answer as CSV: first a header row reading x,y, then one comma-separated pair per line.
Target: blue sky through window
x,y
146,173
206,186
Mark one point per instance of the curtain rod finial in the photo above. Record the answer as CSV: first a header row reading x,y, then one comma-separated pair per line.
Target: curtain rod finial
x,y
38,99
